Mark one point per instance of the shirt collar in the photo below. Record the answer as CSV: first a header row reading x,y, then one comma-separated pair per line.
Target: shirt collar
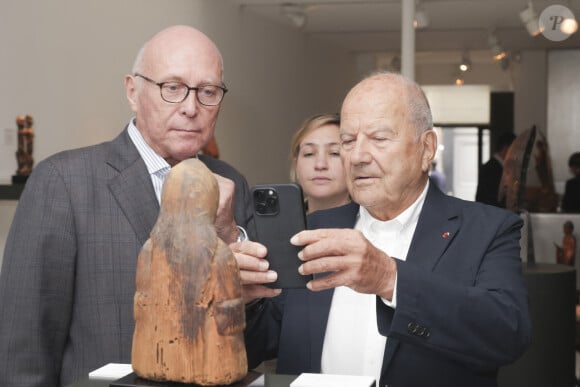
x,y
406,218
153,161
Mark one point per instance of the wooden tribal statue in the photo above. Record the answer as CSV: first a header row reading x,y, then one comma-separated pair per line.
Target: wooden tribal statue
x,y
25,132
188,307
566,253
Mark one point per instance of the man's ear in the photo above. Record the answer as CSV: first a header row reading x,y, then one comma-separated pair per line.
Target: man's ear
x,y
429,139
131,91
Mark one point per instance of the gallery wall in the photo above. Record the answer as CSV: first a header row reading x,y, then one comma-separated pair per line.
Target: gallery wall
x,y
64,63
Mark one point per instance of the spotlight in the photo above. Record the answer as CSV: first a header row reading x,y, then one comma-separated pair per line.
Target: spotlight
x,y
465,64
495,47
421,19
569,26
295,13
530,19
459,81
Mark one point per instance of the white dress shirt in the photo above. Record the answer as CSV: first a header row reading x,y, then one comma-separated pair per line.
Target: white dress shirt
x,y
352,344
157,167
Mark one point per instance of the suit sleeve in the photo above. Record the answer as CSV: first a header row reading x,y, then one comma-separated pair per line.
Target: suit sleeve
x,y
472,306
243,209
36,283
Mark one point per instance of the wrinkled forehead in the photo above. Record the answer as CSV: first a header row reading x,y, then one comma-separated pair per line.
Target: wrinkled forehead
x,y
372,102
182,51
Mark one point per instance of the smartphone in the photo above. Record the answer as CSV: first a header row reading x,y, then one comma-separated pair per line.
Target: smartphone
x,y
279,213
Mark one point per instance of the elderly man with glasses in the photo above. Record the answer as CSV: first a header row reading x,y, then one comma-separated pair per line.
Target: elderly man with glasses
x,y
68,279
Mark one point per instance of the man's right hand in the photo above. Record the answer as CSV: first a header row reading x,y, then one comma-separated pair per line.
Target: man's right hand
x,y
254,270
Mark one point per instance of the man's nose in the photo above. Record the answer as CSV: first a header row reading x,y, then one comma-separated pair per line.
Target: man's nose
x,y
360,152
189,105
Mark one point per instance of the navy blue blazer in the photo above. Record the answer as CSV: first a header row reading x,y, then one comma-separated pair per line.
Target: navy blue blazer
x,y
462,309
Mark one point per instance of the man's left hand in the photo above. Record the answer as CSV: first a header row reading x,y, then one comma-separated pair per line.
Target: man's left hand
x,y
350,259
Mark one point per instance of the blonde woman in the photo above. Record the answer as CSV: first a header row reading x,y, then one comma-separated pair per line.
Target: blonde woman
x,y
316,164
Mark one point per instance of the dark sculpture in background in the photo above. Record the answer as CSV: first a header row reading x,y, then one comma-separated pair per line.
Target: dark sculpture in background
x,y
520,198
515,169
25,133
513,186
544,198
188,306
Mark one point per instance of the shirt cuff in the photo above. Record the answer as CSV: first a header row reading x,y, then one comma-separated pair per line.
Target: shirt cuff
x,y
393,302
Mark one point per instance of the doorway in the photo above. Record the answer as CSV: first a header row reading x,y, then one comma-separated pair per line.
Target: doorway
x,y
461,150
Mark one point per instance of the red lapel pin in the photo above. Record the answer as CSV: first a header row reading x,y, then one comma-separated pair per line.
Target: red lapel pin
x,y
445,234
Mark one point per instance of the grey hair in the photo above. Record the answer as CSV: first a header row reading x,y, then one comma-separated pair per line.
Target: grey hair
x,y
138,64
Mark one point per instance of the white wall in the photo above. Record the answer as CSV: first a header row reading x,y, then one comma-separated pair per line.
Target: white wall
x,y
459,105
563,111
7,209
64,62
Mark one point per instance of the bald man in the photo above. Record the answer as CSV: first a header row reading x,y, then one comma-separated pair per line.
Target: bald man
x,y
68,276
411,287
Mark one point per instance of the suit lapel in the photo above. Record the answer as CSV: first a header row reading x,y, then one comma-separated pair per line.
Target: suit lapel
x,y
129,184
437,226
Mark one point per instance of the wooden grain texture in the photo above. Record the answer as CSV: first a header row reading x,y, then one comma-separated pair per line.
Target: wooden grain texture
x,y
188,307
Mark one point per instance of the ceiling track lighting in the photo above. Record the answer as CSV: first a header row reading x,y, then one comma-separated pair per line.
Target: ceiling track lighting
x,y
497,51
465,64
295,13
569,26
531,21
458,79
421,19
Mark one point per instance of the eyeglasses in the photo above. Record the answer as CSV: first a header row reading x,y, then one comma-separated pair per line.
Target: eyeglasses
x,y
177,92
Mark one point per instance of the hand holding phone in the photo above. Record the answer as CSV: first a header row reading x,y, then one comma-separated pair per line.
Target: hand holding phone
x,y
279,214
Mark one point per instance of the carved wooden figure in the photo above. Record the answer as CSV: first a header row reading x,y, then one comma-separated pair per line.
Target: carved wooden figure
x,y
189,312
566,253
25,133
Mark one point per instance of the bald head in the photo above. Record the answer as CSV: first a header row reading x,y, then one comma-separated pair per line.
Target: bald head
x,y
181,55
386,87
175,39
386,143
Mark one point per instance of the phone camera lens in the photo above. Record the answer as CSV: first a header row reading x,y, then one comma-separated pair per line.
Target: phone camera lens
x,y
260,196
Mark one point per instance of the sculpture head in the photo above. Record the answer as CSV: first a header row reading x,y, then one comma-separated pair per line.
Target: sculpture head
x,y
192,179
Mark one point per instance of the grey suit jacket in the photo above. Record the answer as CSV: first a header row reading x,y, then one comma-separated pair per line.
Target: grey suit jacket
x,y
68,276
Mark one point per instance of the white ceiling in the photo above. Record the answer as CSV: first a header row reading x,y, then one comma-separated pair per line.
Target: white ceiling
x,y
374,25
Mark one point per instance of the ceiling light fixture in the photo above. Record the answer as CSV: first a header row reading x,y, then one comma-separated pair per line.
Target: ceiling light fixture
x,y
530,19
495,47
295,13
569,26
465,64
421,19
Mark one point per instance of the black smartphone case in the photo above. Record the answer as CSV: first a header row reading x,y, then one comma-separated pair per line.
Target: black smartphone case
x,y
279,214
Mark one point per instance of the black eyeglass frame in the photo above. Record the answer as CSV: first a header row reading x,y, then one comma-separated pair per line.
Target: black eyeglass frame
x,y
189,88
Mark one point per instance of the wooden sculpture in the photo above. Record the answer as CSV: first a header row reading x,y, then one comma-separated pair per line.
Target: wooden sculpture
x,y
515,168
566,253
188,307
25,132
